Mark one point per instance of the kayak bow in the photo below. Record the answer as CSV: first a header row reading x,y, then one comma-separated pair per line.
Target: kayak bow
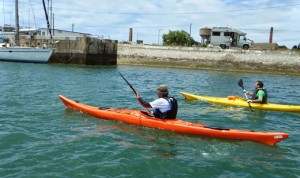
x,y
237,101
141,118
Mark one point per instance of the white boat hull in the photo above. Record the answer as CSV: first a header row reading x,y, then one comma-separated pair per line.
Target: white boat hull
x,y
30,55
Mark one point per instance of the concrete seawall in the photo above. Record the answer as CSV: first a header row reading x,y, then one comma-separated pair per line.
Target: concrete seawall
x,y
286,62
85,50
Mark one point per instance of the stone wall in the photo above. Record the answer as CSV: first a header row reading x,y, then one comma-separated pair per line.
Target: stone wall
x,y
214,58
85,50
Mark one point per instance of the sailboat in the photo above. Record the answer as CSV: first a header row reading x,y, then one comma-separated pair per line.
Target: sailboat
x,y
23,54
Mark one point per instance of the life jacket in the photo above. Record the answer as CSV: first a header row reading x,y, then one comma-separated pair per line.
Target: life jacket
x,y
265,98
170,114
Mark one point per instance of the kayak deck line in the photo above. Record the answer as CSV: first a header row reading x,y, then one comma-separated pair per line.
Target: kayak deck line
x,y
242,102
150,115
141,118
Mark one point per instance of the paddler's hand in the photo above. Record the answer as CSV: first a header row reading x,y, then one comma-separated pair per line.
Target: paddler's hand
x,y
138,96
249,101
245,91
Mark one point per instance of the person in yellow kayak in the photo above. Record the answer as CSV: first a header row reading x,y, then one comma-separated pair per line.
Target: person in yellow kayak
x,y
259,95
164,107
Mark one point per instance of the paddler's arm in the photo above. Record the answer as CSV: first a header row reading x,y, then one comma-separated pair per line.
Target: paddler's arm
x,y
248,93
255,101
142,102
260,96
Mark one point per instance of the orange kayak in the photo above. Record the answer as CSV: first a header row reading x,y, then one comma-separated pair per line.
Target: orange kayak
x,y
142,118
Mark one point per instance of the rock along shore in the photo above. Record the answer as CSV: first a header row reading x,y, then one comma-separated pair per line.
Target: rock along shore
x,y
283,62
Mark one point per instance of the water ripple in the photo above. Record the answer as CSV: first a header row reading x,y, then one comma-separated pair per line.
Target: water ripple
x,y
40,138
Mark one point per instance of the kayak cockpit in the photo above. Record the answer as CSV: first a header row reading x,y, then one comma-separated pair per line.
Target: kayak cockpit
x,y
147,113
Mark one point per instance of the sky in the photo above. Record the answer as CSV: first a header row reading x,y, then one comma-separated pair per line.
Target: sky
x,y
149,20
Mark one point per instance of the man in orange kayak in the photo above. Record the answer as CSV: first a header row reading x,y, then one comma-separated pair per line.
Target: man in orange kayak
x,y
164,107
259,95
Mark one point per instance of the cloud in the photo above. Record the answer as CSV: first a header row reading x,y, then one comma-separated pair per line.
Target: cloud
x,y
112,19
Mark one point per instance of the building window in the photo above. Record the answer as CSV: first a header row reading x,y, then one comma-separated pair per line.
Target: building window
x,y
43,34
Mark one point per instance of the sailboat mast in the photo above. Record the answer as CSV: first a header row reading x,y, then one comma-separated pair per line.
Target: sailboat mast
x,y
17,39
48,24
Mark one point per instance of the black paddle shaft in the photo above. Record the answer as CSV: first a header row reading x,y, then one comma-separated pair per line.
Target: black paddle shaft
x,y
241,84
131,88
128,83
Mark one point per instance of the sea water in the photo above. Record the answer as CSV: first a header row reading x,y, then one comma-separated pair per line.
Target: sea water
x,y
39,137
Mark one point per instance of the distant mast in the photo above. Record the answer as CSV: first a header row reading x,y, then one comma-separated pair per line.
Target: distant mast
x,y
17,39
48,24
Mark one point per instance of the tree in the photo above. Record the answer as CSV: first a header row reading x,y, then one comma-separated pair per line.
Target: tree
x,y
178,38
282,47
295,47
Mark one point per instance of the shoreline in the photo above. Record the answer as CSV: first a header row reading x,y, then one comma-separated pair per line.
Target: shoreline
x,y
253,61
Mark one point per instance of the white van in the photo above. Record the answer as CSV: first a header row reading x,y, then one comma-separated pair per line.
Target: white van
x,y
220,36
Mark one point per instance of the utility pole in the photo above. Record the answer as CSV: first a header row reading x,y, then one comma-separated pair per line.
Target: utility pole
x,y
190,34
158,36
73,27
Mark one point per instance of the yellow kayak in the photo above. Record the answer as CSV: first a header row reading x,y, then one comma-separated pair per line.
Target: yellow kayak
x,y
237,101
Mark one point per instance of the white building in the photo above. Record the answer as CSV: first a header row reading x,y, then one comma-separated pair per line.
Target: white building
x,y
60,33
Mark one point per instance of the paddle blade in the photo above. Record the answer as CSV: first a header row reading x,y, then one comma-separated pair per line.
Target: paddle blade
x,y
241,83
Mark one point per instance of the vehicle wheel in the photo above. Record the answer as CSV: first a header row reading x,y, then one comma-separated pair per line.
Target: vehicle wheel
x,y
245,46
223,46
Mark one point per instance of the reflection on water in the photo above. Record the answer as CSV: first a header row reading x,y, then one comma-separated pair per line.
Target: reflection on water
x,y
159,141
